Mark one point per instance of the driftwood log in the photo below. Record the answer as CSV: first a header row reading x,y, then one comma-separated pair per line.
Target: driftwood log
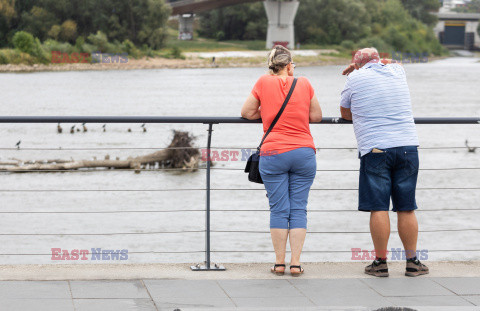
x,y
178,155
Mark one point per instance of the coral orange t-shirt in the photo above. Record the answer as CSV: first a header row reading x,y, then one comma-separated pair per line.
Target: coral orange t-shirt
x,y
292,130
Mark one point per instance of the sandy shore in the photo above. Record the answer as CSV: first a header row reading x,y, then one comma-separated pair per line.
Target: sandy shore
x,y
192,60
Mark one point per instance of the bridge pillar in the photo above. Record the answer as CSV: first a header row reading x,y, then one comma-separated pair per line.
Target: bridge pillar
x,y
185,26
281,15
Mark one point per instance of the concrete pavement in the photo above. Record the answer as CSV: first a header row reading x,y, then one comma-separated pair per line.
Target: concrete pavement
x,y
325,286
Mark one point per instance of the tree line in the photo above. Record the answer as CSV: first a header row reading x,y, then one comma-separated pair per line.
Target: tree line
x,y
138,21
401,25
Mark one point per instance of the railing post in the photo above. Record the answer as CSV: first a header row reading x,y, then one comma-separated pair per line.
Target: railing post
x,y
208,265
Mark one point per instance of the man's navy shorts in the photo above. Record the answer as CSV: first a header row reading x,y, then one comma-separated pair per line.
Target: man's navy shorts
x,y
390,173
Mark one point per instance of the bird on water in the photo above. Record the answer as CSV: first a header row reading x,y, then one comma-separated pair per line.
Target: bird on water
x,y
59,129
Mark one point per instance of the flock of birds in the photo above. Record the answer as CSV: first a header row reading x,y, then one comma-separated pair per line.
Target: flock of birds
x,y
84,129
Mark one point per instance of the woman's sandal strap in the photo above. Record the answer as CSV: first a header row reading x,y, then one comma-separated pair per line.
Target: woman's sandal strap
x,y
279,265
296,267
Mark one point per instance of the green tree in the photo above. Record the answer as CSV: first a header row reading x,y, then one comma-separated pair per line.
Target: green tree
x,y
25,42
422,10
7,13
68,31
38,21
471,7
239,22
153,31
332,21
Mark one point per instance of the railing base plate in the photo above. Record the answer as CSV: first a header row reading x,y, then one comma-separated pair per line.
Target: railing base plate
x,y
203,267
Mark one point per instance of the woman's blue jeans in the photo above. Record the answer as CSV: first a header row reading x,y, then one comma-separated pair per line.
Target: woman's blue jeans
x,y
287,178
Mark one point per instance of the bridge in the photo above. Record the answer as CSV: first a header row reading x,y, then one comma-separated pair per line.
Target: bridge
x,y
458,30
180,7
280,13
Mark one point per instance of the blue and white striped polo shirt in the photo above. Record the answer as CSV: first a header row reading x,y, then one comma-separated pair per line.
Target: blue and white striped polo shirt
x,y
379,99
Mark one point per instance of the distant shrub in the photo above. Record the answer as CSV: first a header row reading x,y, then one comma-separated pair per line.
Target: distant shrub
x,y
64,47
10,56
3,58
176,53
79,44
348,45
24,42
375,42
100,41
130,48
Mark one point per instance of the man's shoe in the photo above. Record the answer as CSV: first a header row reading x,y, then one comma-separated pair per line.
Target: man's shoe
x,y
416,268
377,268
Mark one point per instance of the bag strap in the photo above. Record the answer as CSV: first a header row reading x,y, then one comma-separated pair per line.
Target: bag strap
x,y
279,113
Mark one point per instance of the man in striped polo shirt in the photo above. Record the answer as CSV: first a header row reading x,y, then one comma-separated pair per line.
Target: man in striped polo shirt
x,y
376,97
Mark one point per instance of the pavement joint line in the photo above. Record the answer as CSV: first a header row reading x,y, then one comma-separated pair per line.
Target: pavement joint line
x,y
223,289
149,295
454,292
71,295
289,281
361,280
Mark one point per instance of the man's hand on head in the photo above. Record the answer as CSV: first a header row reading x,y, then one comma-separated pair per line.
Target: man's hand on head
x,y
350,69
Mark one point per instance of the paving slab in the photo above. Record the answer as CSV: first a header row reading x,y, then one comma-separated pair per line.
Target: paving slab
x,y
344,292
259,288
108,289
475,299
35,289
184,289
461,286
194,302
274,302
24,304
415,301
113,304
407,287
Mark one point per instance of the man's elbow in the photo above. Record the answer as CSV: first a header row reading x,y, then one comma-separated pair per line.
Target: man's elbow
x,y
346,114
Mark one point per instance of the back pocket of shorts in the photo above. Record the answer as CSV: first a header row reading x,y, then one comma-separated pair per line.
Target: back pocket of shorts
x,y
375,163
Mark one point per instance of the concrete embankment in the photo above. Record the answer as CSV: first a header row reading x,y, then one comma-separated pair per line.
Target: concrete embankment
x,y
324,270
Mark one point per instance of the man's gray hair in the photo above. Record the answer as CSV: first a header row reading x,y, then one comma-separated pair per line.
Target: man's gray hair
x,y
365,56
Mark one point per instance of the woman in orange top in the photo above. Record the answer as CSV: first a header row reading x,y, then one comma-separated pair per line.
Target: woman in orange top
x,y
287,161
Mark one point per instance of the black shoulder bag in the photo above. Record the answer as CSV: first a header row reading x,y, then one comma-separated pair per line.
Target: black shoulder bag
x,y
252,167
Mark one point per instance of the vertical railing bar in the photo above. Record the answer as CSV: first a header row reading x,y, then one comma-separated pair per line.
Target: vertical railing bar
x,y
207,216
208,264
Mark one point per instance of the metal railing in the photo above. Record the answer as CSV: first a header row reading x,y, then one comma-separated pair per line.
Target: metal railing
x,y
210,121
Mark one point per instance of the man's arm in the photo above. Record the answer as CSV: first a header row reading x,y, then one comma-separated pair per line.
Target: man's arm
x,y
346,113
346,102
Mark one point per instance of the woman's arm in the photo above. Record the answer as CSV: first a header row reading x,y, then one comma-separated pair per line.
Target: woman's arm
x,y
251,108
315,110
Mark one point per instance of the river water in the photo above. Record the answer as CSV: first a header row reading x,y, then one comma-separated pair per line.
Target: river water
x,y
444,88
